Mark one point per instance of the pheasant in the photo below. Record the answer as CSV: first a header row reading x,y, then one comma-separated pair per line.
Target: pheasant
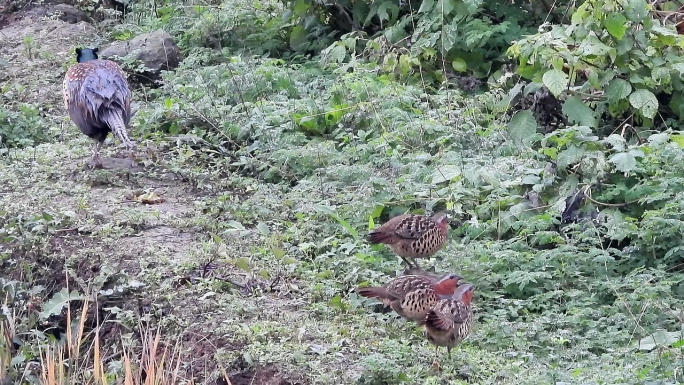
x,y
412,236
412,296
98,100
449,321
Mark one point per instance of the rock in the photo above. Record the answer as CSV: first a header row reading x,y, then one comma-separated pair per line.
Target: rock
x,y
156,50
65,12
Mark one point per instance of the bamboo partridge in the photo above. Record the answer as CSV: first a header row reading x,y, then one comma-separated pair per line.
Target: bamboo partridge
x,y
98,100
412,236
412,296
449,321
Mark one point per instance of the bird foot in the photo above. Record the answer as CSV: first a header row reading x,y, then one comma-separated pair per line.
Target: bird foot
x,y
436,366
97,165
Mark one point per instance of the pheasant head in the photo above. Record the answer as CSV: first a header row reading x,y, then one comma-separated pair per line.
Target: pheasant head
x,y
447,286
464,293
86,54
440,219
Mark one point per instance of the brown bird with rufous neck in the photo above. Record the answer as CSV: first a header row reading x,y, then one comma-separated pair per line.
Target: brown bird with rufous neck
x,y
412,296
412,236
450,320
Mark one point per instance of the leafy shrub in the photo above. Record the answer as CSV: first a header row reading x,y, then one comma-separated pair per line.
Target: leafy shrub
x,y
442,36
23,127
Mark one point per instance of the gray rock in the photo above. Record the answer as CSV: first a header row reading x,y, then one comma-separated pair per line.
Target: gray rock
x,y
156,50
65,12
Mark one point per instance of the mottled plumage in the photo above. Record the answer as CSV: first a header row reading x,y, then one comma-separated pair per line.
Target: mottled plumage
x,y
412,296
449,321
98,99
412,236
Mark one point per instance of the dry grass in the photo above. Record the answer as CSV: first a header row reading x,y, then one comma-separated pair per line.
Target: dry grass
x,y
79,358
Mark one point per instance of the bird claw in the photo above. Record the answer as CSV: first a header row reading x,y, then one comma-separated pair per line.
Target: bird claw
x,y
97,164
436,366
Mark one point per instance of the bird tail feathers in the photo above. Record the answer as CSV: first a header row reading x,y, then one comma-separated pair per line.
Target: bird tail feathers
x,y
376,237
118,127
372,292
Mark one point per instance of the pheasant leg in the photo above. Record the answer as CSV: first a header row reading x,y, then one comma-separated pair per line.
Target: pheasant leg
x,y
415,263
435,362
131,157
97,162
406,261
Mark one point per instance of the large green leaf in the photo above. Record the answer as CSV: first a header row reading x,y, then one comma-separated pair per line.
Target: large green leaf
x,y
578,112
556,81
523,128
616,25
644,101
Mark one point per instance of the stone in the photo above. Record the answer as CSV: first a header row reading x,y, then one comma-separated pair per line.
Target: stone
x,y
157,50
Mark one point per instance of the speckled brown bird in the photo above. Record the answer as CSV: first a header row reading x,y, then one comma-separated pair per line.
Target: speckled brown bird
x,y
449,321
412,236
412,296
98,100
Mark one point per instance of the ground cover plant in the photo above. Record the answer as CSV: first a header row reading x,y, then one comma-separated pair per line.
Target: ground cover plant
x,y
549,132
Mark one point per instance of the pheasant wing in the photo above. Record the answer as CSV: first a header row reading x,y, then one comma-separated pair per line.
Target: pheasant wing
x,y
414,226
448,314
405,284
107,87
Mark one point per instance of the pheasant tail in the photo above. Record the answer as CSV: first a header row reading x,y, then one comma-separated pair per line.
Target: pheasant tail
x,y
118,127
376,237
372,292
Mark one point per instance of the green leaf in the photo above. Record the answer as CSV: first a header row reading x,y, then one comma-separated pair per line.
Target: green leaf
x,y
426,6
523,128
618,89
616,141
445,173
337,303
624,161
659,138
263,228
660,338
217,239
636,10
459,65
289,260
55,305
278,253
337,54
569,156
332,213
449,35
446,6
644,101
556,81
242,263
616,24
578,112
235,225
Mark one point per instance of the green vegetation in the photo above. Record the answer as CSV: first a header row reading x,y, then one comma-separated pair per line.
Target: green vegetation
x,y
288,131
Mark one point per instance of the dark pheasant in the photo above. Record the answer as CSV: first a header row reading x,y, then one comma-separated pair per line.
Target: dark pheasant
x,y
98,100
412,296
449,321
412,236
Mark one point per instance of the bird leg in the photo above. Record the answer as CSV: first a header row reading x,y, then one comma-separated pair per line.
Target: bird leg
x,y
131,157
410,266
97,162
435,362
